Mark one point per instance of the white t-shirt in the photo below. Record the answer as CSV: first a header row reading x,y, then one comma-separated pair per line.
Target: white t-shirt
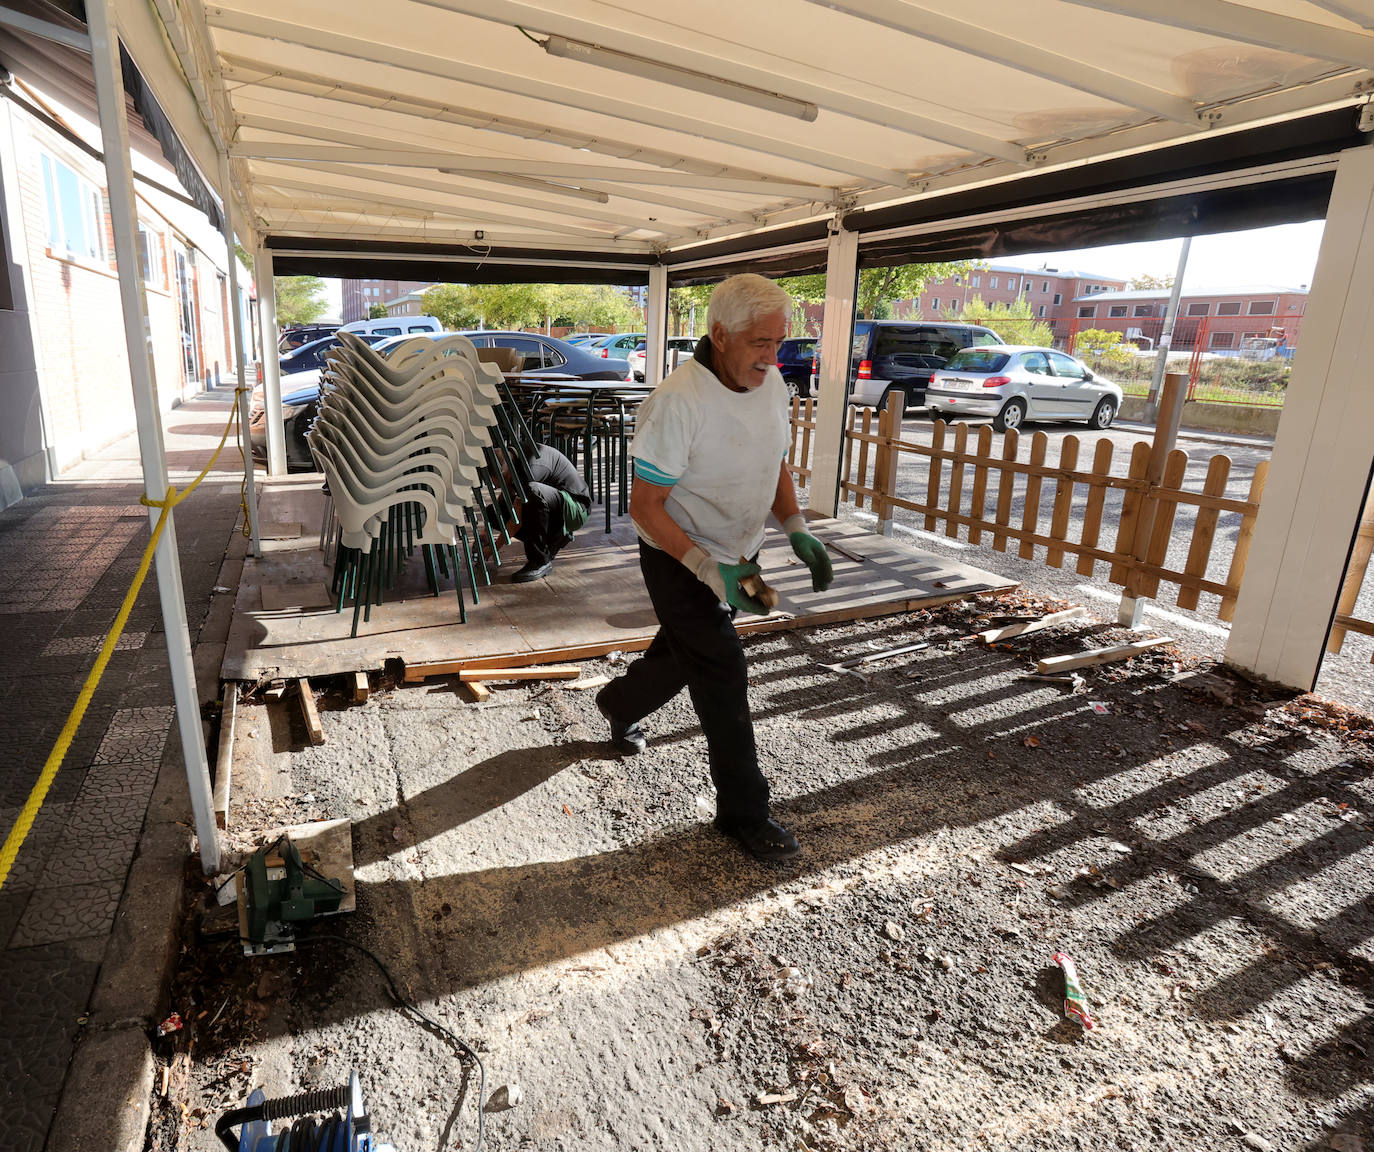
x,y
720,452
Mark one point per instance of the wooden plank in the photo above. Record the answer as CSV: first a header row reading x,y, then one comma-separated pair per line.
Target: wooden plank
x,y
863,454
1030,513
1244,536
479,692
937,441
847,478
1023,627
1161,528
956,478
281,597
1204,529
1130,514
588,683
1092,511
978,504
361,687
1056,664
1005,483
309,711
224,758
1063,500
807,427
422,671
1354,576
533,672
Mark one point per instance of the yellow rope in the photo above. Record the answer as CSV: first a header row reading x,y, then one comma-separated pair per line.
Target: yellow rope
x,y
10,851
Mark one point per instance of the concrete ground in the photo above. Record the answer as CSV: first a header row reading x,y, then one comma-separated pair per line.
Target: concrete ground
x,y
87,913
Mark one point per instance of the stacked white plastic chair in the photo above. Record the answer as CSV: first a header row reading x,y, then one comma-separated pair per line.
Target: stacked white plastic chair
x,y
407,442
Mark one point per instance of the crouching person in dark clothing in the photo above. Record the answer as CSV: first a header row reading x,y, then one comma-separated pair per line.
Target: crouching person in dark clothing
x,y
558,504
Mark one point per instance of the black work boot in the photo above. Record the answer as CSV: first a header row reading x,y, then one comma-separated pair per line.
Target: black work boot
x,y
766,839
627,739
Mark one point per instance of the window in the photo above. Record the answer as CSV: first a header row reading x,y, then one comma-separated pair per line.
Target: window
x,y
935,303
1229,308
1199,309
1087,311
1036,363
150,258
1116,310
1058,299
1065,366
1261,307
76,214
1144,309
992,281
1042,311
1223,340
1044,286
956,281
976,281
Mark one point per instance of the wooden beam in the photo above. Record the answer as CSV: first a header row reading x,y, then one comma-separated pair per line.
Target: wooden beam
x,y
1056,664
310,712
480,693
361,687
224,759
992,635
539,672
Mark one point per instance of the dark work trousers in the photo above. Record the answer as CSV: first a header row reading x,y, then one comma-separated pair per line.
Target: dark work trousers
x,y
541,524
698,648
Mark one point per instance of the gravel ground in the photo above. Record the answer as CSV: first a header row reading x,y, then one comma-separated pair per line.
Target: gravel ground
x,y
1199,845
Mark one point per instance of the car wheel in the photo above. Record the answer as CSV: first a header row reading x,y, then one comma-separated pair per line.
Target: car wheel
x,y
792,389
1013,412
1103,414
803,388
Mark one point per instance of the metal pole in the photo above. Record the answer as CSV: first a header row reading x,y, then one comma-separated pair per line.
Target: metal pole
x,y
226,193
114,131
271,369
656,324
1167,336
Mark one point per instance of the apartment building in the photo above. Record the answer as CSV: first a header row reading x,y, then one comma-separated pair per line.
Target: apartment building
x,y
1049,291
1221,320
360,295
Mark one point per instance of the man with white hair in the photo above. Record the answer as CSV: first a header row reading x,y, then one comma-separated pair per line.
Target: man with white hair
x,y
710,465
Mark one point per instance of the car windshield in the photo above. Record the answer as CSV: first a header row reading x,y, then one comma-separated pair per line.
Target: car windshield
x,y
977,360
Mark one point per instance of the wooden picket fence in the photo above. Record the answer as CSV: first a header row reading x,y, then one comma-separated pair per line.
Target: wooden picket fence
x,y
970,487
1355,571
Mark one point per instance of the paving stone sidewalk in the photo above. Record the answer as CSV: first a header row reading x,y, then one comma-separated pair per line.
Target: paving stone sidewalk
x,y
68,554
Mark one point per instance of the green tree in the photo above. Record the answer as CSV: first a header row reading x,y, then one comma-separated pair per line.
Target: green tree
x,y
300,299
880,286
1147,282
377,312
1014,322
680,304
453,305
598,306
1099,346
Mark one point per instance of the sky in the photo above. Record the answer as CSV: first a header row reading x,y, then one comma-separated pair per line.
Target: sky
x,y
1284,255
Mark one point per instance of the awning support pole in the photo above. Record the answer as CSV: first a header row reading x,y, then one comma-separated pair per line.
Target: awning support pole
x,y
1323,454
114,131
656,324
832,405
226,195
271,371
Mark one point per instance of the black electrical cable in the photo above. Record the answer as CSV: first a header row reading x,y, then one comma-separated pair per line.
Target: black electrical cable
x,y
404,1003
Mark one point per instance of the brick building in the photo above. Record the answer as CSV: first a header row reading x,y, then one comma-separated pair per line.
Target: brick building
x,y
1048,290
360,295
1221,319
64,378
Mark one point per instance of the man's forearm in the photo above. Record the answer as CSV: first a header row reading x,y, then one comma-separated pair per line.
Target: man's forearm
x,y
785,496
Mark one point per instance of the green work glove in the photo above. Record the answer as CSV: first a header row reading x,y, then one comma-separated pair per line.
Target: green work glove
x,y
810,550
723,579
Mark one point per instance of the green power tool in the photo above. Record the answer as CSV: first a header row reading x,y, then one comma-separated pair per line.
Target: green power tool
x,y
281,891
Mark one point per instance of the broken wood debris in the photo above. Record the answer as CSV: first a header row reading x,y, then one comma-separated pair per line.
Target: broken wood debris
x,y
1073,679
225,758
857,661
275,690
310,712
538,672
1056,664
1022,627
480,692
589,682
755,587
360,687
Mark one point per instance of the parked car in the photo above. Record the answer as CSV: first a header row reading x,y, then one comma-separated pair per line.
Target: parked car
x,y
682,345
579,338
794,362
543,355
293,338
394,326
1014,383
891,354
312,355
615,344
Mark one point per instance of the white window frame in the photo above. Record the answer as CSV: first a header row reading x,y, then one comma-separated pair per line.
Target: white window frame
x,y
992,281
90,247
154,270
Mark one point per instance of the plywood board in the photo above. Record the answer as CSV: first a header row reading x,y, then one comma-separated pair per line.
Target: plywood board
x,y
309,594
593,601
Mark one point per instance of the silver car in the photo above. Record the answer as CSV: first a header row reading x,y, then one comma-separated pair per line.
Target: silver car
x,y
1012,383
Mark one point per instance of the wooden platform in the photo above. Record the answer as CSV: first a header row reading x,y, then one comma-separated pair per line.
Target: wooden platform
x,y
593,601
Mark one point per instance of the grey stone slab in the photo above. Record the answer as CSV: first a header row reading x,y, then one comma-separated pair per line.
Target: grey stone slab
x,y
102,779
112,815
43,992
117,1068
131,747
78,860
12,901
71,913
43,836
